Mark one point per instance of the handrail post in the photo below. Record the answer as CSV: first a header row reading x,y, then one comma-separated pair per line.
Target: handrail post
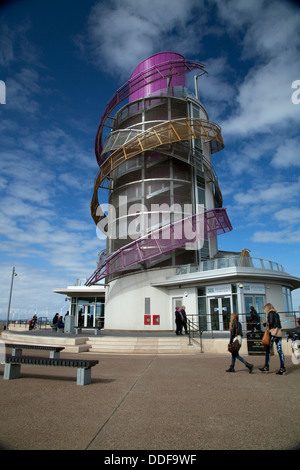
x,y
201,344
189,330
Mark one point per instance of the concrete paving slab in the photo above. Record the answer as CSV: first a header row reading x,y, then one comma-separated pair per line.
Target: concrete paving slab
x,y
152,402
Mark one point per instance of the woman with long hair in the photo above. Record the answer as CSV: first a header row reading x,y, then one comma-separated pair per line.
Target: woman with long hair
x,y
275,337
236,333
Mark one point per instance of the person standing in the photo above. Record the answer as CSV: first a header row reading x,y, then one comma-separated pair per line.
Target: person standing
x,y
178,321
184,319
236,332
254,319
275,337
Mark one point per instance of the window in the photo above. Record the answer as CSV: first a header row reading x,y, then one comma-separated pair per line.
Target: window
x,y
196,114
147,305
287,299
156,109
201,189
178,109
234,298
205,250
202,308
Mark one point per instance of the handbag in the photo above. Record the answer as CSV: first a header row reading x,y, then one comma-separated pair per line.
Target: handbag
x,y
234,346
266,340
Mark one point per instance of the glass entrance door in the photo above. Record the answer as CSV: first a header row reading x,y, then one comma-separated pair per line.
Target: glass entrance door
x,y
220,311
226,312
214,314
258,302
89,316
176,302
86,316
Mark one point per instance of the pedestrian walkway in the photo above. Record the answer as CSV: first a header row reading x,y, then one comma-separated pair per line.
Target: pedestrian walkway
x,y
152,402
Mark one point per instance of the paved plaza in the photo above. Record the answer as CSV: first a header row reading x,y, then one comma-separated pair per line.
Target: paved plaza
x,y
152,402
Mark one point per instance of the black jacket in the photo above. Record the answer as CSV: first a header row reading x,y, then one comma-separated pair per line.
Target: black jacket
x,y
236,330
273,320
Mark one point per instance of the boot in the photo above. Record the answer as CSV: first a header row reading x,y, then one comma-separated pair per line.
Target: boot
x,y
281,371
231,369
250,367
264,369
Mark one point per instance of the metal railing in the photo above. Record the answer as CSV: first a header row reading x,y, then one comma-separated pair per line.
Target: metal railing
x,y
194,333
41,322
229,262
196,330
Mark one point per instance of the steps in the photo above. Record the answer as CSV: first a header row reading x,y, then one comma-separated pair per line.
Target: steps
x,y
119,344
108,344
139,345
71,345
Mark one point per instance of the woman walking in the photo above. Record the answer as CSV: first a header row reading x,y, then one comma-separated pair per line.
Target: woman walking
x,y
275,337
236,332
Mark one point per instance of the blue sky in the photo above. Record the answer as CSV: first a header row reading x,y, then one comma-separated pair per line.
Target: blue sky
x,y
61,61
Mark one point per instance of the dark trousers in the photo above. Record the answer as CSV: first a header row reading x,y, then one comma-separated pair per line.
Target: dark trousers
x,y
178,327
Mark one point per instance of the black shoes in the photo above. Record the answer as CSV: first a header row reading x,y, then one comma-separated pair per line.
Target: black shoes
x,y
281,371
264,369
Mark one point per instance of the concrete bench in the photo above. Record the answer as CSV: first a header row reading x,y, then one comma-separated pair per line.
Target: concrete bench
x,y
58,329
12,369
17,349
78,329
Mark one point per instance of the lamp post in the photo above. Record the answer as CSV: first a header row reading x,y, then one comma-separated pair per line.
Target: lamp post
x,y
13,274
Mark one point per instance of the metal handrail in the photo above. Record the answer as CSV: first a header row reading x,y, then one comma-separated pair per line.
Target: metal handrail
x,y
291,323
192,329
228,262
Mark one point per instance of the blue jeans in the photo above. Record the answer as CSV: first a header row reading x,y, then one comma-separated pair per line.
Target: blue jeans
x,y
237,356
279,350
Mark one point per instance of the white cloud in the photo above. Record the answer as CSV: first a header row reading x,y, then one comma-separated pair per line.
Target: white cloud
x,y
264,99
269,34
274,30
287,154
267,27
120,34
277,193
14,45
215,90
21,91
279,237
247,155
289,215
271,205
20,58
46,181
36,281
